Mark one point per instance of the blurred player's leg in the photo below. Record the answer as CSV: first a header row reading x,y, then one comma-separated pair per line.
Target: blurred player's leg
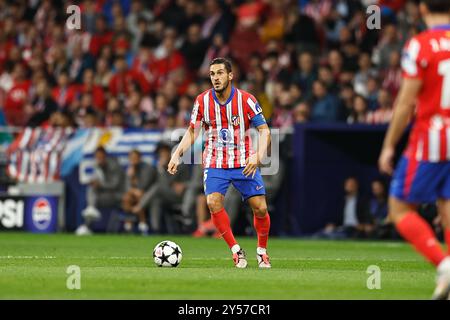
x,y
261,220
417,232
444,213
222,222
442,290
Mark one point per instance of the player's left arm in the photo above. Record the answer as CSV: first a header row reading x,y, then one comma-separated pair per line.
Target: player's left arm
x,y
254,161
403,111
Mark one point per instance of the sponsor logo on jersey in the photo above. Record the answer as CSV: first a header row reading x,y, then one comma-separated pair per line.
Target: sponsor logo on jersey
x,y
235,120
225,136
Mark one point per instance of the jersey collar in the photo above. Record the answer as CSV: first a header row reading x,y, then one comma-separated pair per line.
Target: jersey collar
x,y
229,98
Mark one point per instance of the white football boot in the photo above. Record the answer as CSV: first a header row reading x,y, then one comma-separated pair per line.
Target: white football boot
x,y
240,259
442,291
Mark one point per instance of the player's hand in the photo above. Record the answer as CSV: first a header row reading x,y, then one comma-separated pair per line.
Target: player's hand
x,y
173,164
251,165
386,160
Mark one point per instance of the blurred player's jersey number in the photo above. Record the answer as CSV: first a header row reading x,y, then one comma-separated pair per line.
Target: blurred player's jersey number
x,y
444,71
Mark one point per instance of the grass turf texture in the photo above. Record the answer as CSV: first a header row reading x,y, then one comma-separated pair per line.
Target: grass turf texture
x,y
34,266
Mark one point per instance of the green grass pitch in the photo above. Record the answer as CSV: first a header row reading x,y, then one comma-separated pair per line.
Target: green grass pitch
x,y
34,266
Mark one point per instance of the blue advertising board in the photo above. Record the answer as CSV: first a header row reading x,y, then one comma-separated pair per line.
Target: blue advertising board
x,y
41,214
37,214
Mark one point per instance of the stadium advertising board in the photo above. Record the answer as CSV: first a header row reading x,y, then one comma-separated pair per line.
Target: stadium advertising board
x,y
36,214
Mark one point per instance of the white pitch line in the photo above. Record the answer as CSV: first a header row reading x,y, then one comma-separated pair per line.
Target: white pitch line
x,y
194,258
27,257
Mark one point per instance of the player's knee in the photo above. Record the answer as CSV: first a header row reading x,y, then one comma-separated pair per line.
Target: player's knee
x,y
214,203
260,211
398,209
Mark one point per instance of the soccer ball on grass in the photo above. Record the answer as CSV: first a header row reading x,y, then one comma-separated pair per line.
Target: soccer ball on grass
x,y
167,254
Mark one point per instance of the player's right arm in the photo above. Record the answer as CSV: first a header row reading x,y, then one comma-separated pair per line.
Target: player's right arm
x,y
187,140
415,59
403,110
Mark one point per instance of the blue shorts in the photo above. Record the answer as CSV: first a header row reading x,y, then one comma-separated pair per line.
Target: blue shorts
x,y
218,180
420,181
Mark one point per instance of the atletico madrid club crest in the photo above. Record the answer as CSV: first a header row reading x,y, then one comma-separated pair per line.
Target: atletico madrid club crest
x,y
235,120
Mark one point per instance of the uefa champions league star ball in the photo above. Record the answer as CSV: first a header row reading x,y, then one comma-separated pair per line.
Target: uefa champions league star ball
x,y
167,254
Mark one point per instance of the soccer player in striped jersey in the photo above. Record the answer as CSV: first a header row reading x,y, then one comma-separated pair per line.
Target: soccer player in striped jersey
x,y
226,114
423,173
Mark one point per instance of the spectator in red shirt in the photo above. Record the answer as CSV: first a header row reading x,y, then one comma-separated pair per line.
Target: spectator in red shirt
x,y
143,63
245,41
118,85
101,37
64,92
89,86
169,59
17,97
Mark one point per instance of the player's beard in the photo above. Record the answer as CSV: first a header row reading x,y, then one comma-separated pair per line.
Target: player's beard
x,y
225,86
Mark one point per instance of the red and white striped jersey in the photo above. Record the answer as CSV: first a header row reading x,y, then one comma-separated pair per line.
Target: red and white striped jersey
x,y
427,57
228,143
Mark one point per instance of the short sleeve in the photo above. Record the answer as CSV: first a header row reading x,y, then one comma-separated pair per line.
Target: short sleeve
x,y
253,107
196,115
414,61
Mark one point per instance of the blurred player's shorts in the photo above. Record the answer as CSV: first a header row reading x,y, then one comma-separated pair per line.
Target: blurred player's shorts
x,y
218,180
420,181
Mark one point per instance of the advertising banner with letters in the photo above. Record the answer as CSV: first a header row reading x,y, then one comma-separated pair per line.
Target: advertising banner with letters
x,y
38,214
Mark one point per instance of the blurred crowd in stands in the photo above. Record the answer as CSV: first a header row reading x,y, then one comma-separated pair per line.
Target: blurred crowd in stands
x,y
136,63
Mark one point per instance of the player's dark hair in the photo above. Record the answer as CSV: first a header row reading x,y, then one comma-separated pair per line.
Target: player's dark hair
x,y
223,61
437,6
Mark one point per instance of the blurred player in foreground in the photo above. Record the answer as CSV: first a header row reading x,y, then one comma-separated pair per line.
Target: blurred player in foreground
x,y
423,173
226,114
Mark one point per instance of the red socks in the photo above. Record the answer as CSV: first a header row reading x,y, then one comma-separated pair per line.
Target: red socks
x,y
447,239
222,223
417,232
262,226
